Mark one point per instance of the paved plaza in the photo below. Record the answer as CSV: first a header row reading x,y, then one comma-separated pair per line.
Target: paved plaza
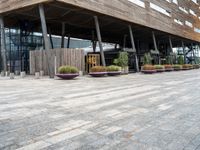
x,y
131,112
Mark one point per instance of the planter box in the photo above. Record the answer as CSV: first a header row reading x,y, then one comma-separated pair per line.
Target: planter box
x,y
125,70
148,71
67,76
98,74
160,70
169,69
177,69
114,73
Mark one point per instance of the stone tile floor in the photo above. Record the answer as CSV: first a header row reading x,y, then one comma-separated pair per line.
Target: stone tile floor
x,y
132,112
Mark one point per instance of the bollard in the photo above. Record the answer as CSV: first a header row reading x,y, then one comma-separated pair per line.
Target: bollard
x,y
2,74
12,75
37,75
23,74
80,73
16,72
7,74
41,73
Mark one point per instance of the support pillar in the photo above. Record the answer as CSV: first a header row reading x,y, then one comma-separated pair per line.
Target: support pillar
x,y
170,44
184,54
99,40
133,46
63,35
50,38
46,40
68,41
124,41
155,44
193,53
94,42
3,45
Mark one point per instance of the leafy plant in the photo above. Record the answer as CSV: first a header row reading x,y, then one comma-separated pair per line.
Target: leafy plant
x,y
180,60
147,59
98,69
122,60
113,68
169,59
67,70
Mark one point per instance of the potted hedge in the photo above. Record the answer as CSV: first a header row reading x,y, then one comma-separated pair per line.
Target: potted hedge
x,y
67,72
113,70
187,67
196,66
177,67
98,71
168,67
122,61
159,68
147,68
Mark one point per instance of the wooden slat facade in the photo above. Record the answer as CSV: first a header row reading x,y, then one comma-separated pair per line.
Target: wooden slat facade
x,y
132,13
59,57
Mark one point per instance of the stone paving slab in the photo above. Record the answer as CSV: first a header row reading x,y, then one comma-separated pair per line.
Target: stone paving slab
x,y
131,112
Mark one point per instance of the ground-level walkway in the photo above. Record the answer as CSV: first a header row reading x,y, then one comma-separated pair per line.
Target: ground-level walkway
x,y
133,112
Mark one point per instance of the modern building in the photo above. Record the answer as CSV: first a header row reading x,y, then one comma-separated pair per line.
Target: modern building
x,y
156,26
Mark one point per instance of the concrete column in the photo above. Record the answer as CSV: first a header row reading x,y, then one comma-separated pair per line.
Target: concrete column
x,y
170,44
3,45
99,40
46,40
133,46
63,35
155,45
68,41
184,54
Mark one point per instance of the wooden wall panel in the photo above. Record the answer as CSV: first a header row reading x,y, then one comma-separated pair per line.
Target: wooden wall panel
x,y
59,57
125,10
8,5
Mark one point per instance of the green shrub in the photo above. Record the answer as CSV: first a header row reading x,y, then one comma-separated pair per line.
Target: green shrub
x,y
98,69
122,60
169,59
177,66
196,66
180,60
113,68
159,66
147,59
67,70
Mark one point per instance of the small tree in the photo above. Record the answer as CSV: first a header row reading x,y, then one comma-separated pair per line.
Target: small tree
x,y
180,60
122,60
169,60
147,59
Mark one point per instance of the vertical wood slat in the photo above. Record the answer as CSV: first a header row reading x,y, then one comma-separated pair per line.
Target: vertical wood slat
x,y
72,57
